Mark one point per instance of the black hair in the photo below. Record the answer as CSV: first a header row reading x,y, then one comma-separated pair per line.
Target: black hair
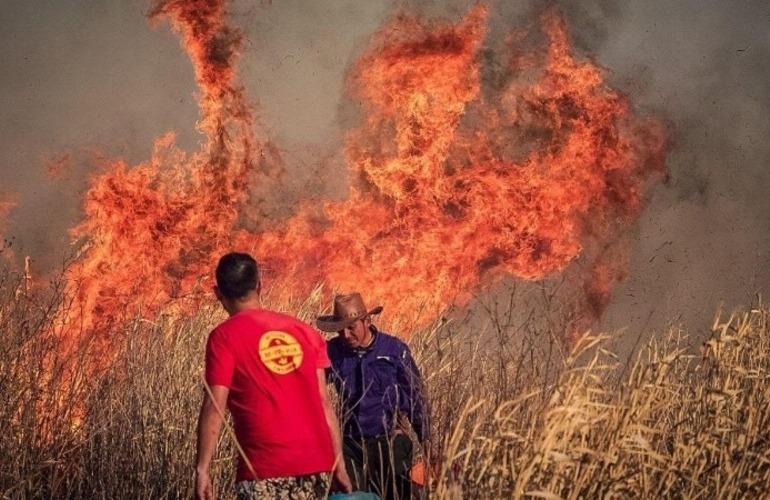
x,y
237,275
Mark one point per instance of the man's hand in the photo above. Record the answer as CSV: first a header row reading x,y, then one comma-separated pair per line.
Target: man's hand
x,y
204,490
342,479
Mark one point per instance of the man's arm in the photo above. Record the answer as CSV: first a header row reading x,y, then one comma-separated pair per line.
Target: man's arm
x,y
209,425
415,405
340,473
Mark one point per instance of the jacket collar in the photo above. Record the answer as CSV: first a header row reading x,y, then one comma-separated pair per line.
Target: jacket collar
x,y
362,351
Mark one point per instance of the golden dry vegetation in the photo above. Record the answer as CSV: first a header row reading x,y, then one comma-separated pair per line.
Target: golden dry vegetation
x,y
514,415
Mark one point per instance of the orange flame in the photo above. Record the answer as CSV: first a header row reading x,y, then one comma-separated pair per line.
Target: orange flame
x,y
442,203
153,230
453,185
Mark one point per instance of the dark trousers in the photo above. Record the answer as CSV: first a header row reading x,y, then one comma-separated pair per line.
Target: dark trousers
x,y
381,465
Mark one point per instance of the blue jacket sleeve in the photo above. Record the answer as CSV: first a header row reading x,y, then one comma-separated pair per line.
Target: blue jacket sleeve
x,y
413,401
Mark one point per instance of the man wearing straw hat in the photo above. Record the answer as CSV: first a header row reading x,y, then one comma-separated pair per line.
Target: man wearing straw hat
x,y
267,368
377,381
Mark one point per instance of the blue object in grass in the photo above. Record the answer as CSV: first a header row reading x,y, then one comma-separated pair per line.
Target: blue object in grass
x,y
356,495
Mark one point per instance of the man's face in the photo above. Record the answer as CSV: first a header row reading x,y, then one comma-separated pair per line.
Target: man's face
x,y
357,335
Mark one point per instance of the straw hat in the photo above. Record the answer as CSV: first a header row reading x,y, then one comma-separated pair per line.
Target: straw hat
x,y
348,309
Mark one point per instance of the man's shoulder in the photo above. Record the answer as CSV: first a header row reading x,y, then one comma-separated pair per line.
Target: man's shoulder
x,y
260,313
273,317
389,338
261,320
391,343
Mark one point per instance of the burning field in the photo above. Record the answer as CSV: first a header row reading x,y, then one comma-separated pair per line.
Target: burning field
x,y
474,161
453,181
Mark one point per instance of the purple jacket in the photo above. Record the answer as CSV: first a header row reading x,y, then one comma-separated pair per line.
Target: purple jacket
x,y
375,382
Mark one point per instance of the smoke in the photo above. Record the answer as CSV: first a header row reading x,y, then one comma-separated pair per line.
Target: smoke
x,y
703,240
83,76
80,79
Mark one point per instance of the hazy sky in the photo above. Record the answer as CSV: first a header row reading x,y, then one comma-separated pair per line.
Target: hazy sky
x,y
85,75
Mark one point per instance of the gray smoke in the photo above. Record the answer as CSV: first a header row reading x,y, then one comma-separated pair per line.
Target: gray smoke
x,y
703,239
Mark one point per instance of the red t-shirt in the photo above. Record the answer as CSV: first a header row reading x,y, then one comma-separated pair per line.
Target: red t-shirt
x,y
269,361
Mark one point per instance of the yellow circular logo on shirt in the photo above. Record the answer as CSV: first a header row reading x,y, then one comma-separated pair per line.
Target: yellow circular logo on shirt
x,y
280,352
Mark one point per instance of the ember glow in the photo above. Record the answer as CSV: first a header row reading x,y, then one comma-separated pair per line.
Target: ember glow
x,y
453,185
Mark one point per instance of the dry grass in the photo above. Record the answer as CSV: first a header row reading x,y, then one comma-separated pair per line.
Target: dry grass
x,y
514,415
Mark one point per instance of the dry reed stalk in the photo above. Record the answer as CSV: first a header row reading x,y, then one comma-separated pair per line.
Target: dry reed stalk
x,y
514,415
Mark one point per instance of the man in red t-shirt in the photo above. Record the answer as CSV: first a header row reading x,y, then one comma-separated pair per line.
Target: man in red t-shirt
x,y
268,369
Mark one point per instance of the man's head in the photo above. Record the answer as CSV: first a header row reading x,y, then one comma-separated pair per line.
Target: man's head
x,y
237,280
351,319
358,335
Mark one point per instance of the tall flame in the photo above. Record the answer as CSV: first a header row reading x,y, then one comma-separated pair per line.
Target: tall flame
x,y
153,230
453,183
